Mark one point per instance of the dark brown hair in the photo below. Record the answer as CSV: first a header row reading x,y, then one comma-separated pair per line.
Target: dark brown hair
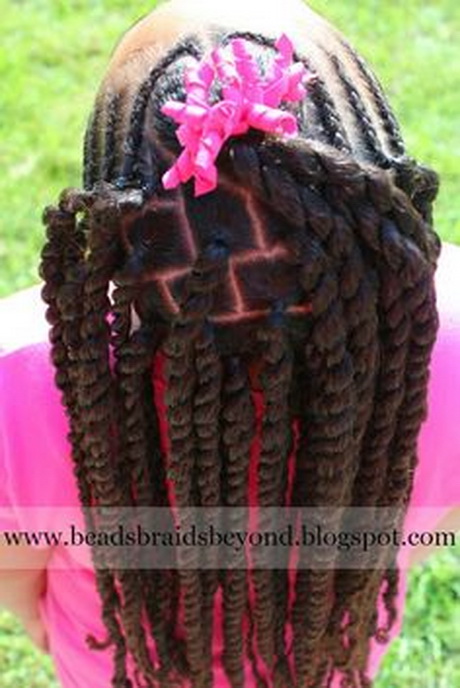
x,y
309,271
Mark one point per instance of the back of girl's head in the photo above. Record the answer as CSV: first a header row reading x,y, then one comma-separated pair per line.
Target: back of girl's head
x,y
304,279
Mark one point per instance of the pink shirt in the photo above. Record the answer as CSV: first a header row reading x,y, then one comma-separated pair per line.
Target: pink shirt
x,y
35,468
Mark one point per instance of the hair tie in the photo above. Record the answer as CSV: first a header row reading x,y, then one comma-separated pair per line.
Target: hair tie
x,y
249,99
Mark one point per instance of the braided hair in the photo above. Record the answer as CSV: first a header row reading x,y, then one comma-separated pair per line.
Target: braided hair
x,y
306,278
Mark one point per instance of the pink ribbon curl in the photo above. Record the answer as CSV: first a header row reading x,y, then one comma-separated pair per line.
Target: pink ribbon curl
x,y
249,100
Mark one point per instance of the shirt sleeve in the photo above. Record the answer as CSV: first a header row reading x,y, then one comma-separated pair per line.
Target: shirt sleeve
x,y
23,317
37,480
23,320
437,479
8,519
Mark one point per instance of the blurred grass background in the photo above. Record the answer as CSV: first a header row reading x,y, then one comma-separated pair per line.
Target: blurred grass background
x,y
52,56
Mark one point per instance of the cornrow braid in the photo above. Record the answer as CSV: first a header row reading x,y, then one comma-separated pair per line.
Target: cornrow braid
x,y
366,127
110,140
387,118
92,149
133,141
329,117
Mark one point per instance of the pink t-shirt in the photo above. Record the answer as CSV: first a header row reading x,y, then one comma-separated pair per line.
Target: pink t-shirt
x,y
35,469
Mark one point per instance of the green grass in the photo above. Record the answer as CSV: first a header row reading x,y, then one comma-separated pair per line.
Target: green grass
x,y
427,654
52,56
21,664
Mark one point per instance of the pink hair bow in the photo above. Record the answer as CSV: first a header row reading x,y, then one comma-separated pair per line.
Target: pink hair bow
x,y
249,100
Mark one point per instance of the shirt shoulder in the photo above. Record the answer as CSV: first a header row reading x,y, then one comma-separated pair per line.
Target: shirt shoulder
x,y
23,320
447,282
34,449
437,480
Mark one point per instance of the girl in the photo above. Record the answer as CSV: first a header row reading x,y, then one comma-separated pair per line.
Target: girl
x,y
242,311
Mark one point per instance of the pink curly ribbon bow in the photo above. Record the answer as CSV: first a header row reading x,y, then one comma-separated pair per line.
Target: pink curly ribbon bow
x,y
249,100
